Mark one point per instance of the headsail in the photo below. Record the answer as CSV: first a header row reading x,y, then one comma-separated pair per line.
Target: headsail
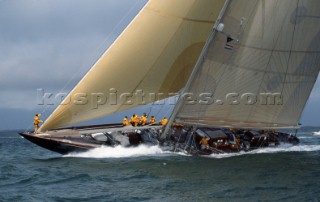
x,y
265,79
154,54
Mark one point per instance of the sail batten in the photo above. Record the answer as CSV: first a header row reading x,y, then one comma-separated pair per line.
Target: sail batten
x,y
154,55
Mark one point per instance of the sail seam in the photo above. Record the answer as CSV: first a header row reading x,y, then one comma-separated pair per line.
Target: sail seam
x,y
272,53
279,51
179,17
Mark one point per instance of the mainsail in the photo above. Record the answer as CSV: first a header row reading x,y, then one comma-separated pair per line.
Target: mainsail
x,y
258,72
154,54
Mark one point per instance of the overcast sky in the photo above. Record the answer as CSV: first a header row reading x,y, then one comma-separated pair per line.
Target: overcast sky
x,y
51,44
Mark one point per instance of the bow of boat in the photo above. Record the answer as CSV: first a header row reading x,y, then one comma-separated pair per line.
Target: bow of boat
x,y
61,146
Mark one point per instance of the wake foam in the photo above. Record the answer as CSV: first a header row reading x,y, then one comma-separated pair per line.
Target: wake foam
x,y
144,150
271,150
306,137
121,152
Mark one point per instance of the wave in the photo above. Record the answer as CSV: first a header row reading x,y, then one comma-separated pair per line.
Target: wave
x,y
316,133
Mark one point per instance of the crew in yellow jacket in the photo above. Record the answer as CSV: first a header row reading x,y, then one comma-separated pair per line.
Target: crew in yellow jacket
x,y
134,120
204,142
36,121
143,119
152,120
164,121
125,121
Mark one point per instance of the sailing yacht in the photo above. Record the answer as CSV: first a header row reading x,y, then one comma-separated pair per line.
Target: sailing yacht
x,y
242,69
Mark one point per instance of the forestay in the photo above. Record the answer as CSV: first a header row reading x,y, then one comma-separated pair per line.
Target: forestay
x,y
154,54
264,79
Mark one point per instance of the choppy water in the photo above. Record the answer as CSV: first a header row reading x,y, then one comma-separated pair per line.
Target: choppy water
x,y
286,173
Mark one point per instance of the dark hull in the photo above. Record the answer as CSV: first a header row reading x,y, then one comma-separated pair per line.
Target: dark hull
x,y
180,139
58,146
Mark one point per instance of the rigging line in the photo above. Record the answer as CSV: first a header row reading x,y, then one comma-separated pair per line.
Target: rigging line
x,y
161,107
194,142
154,103
28,128
152,108
159,110
175,147
168,111
103,43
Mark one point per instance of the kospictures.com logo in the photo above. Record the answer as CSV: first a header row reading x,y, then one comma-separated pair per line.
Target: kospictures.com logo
x,y
139,97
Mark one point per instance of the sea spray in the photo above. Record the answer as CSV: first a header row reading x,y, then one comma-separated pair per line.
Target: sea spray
x,y
145,150
121,152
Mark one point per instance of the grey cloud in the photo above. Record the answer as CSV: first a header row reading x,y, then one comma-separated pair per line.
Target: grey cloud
x,y
45,64
32,19
51,44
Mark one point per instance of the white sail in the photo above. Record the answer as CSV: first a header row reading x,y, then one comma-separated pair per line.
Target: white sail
x,y
154,54
264,79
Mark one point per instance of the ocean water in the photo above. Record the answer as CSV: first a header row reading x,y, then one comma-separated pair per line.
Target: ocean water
x,y
286,173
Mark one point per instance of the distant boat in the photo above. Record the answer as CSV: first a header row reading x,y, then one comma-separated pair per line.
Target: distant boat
x,y
243,69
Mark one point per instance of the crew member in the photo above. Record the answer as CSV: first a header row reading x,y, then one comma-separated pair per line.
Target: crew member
x,y
134,120
204,142
177,125
125,121
143,119
164,121
152,120
36,122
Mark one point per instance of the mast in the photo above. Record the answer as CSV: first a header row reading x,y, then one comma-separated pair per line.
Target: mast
x,y
195,70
